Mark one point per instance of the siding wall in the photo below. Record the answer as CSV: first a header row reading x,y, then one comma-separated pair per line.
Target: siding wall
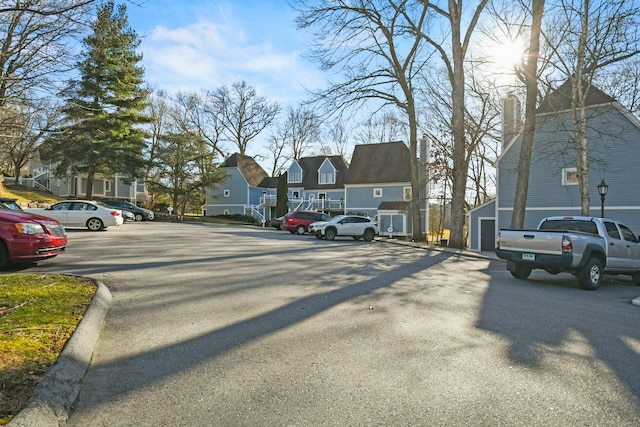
x,y
396,220
360,198
614,147
484,211
238,195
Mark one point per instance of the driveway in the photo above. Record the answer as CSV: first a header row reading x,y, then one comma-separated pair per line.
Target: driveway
x,y
241,326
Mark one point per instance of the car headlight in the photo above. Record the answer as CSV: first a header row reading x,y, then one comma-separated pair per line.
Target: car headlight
x,y
29,228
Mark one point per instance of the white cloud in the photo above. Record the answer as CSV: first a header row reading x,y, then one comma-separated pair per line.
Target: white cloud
x,y
206,55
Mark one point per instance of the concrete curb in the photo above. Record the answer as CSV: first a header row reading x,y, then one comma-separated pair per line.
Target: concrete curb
x,y
53,397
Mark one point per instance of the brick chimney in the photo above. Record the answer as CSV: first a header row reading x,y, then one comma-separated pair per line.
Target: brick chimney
x,y
510,118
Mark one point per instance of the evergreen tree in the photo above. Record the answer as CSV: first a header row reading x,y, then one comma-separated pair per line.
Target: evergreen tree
x,y
282,199
104,106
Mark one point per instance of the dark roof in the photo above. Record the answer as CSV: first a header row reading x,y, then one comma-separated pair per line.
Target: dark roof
x,y
380,163
250,169
310,166
560,99
394,206
269,182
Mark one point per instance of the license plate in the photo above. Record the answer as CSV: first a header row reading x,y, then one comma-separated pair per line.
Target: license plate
x,y
528,257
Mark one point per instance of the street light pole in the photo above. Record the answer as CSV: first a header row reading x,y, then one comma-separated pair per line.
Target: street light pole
x,y
602,190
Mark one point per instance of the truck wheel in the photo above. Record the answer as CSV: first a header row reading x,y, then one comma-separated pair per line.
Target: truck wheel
x,y
521,271
590,276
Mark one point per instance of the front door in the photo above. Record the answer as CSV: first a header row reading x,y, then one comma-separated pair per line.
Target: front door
x,y
487,234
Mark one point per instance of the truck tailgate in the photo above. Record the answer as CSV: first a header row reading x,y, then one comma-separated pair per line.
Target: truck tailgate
x,y
539,242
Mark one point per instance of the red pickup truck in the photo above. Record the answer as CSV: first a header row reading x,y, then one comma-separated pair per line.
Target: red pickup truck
x,y
28,237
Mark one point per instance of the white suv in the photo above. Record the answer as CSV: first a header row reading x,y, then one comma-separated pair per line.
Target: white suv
x,y
346,225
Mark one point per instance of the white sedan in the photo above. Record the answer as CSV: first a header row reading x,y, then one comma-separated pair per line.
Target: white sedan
x,y
355,226
82,213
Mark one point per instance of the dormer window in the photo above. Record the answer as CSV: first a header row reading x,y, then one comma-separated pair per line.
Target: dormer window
x,y
295,177
327,178
327,173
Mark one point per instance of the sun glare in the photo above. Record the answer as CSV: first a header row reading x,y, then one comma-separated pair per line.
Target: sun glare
x,y
507,54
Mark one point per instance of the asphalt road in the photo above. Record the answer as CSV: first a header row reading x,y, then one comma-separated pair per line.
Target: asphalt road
x,y
239,326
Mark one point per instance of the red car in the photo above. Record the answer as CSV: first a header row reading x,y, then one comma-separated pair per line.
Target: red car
x,y
29,237
299,221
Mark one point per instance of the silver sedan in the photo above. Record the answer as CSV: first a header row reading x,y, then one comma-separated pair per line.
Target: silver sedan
x,y
82,213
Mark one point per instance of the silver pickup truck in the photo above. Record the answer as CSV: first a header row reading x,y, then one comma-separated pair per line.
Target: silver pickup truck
x,y
584,246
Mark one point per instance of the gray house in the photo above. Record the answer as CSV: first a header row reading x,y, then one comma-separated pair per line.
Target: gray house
x,y
73,184
317,183
377,183
247,191
613,135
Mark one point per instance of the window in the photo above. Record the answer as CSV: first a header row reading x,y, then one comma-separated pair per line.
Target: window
x,y
295,194
327,178
406,193
612,230
226,212
295,177
377,192
226,193
107,186
569,176
628,234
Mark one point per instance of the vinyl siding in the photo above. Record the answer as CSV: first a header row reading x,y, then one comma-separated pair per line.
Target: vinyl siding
x,y
614,147
238,195
360,198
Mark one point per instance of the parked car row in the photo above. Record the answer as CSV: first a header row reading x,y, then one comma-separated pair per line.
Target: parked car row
x,y
39,233
139,214
324,226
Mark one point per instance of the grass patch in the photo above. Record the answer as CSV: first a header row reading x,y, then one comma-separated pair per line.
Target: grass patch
x,y
26,194
38,313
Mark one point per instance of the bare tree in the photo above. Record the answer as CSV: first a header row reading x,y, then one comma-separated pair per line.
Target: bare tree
x,y
453,54
530,70
384,128
201,117
24,129
590,37
243,114
375,46
185,160
277,154
300,130
338,136
36,44
623,83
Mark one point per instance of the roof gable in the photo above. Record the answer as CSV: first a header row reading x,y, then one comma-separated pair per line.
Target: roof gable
x,y
311,166
250,169
387,162
560,99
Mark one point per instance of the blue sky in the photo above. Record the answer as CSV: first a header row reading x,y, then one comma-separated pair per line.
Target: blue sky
x,y
191,45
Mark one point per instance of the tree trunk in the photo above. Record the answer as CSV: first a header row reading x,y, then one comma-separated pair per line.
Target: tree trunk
x,y
416,193
578,97
91,173
460,163
582,156
531,70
